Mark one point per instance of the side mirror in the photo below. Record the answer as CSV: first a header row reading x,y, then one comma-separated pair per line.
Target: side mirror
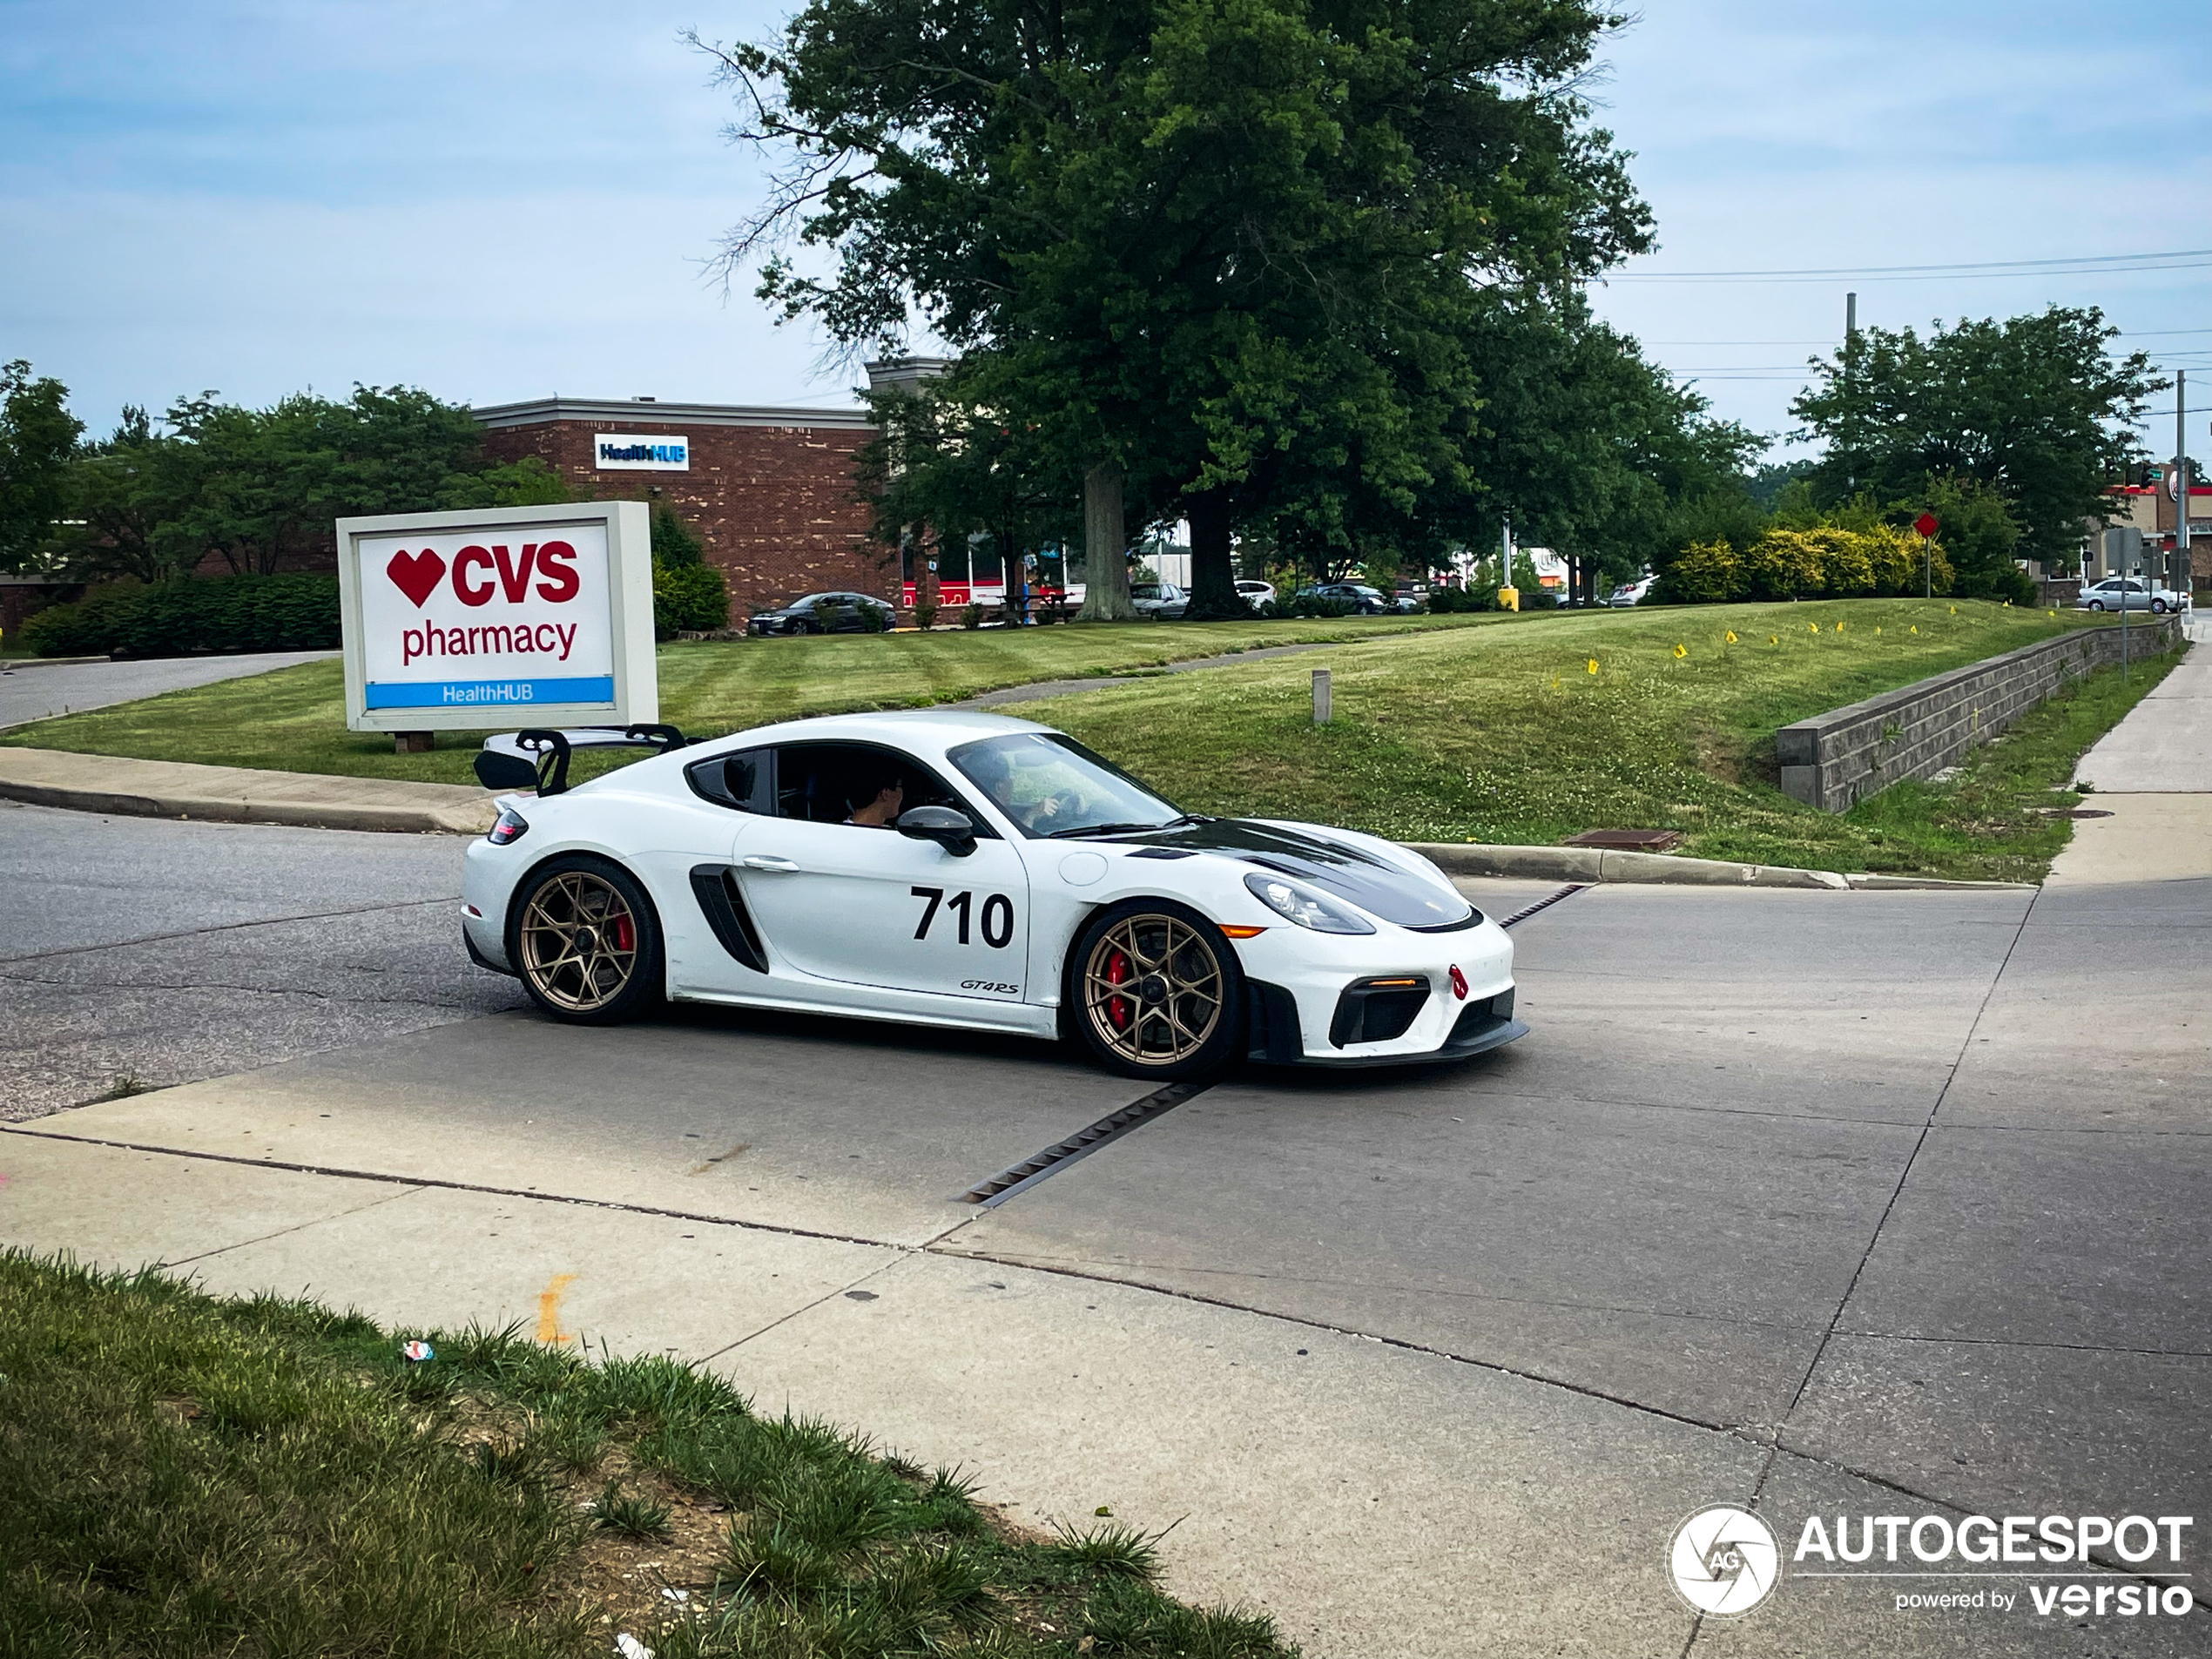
x,y
949,828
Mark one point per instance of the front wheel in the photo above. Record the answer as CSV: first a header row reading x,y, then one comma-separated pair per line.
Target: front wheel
x,y
582,936
2096,604
2158,607
1157,991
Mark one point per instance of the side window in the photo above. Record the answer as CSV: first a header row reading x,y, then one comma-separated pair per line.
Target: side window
x,y
738,780
829,783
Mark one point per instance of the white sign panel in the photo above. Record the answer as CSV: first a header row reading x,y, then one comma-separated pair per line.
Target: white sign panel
x,y
518,615
635,452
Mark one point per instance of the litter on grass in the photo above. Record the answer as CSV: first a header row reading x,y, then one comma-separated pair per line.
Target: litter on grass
x,y
415,1352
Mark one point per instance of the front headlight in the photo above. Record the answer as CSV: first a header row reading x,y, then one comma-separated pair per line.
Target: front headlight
x,y
1306,908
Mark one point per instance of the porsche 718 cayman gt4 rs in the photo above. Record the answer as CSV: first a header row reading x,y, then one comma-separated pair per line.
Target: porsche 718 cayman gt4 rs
x,y
957,869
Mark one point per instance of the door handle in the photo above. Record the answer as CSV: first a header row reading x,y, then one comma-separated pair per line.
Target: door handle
x,y
782,866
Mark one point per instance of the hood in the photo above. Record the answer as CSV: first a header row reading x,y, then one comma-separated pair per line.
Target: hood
x,y
1341,871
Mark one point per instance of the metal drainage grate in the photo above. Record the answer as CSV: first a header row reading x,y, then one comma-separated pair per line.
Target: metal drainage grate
x,y
2073,811
1544,903
1004,1186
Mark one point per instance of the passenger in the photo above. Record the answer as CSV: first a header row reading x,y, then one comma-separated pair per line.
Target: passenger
x,y
883,793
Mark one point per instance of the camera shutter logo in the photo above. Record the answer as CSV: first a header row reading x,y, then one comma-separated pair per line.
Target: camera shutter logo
x,y
1724,1561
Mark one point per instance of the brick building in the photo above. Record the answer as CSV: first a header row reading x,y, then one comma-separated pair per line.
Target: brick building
x,y
770,491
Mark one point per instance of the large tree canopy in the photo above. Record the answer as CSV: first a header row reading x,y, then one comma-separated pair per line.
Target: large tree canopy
x,y
1225,252
2036,407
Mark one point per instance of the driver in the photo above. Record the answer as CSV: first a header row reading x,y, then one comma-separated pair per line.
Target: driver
x,y
881,794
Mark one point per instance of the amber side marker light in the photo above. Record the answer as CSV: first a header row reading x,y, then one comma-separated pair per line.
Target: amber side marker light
x,y
1390,984
1243,932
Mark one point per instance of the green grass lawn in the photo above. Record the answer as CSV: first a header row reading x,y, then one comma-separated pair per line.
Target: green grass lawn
x,y
194,1477
1451,728
1508,735
294,720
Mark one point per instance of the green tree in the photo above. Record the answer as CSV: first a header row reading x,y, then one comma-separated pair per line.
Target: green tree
x,y
37,435
1978,532
261,488
1215,257
947,468
2037,408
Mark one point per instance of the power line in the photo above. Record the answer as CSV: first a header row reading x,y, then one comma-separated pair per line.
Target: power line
x,y
2098,264
2125,333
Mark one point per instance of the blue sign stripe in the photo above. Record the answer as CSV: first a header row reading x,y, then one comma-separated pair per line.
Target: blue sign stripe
x,y
442,694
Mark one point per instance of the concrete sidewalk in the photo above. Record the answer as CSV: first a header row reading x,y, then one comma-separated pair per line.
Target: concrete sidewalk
x,y
2153,774
239,794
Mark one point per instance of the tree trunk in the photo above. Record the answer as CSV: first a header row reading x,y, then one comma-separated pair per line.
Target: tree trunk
x,y
1105,548
1213,574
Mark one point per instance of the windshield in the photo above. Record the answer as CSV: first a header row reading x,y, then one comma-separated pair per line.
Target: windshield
x,y
1051,785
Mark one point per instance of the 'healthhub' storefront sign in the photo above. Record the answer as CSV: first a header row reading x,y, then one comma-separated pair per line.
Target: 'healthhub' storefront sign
x,y
531,616
630,452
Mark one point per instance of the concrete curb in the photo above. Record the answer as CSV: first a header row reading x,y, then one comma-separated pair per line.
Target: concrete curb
x,y
1592,864
130,788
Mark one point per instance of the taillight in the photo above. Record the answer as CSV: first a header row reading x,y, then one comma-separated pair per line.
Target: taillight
x,y
511,828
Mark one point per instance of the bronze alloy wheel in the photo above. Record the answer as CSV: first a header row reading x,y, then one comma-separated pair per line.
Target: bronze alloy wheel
x,y
1153,990
579,941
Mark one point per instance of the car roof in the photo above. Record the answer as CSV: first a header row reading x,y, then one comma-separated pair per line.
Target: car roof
x,y
930,729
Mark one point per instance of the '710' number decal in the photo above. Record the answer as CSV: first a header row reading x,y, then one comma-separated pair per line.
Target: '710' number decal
x,y
997,917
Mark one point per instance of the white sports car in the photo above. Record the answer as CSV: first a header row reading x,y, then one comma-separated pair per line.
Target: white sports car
x,y
948,868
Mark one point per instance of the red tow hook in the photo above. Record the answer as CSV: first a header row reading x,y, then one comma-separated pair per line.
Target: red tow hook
x,y
1458,983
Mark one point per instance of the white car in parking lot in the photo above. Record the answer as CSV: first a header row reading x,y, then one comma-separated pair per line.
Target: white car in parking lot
x,y
2129,593
961,868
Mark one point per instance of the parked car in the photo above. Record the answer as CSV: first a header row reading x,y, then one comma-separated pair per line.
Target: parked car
x,y
1255,593
1368,602
1631,593
2129,593
1159,601
824,613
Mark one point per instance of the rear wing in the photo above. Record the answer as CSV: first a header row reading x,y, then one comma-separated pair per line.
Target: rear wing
x,y
538,758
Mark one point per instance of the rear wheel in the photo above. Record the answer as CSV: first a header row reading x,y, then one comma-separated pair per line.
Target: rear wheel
x,y
1157,991
583,938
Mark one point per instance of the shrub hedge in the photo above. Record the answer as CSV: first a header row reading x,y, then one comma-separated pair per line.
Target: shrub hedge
x,y
688,598
231,613
1825,561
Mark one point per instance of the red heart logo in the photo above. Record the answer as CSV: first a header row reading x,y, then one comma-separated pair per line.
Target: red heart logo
x,y
416,574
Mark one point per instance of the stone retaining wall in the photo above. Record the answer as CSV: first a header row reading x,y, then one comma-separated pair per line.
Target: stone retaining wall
x,y
1840,758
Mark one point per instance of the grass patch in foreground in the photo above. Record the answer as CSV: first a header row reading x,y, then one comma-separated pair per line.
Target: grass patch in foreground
x,y
294,719
192,1476
1508,735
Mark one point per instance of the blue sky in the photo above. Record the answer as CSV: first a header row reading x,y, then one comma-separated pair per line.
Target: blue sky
x,y
498,201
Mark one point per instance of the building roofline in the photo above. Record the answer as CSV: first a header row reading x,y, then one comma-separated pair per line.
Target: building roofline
x,y
541,411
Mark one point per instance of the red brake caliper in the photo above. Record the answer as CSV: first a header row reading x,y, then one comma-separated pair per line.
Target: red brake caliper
x,y
625,934
1118,1006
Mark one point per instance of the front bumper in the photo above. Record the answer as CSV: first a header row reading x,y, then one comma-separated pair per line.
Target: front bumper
x,y
1305,987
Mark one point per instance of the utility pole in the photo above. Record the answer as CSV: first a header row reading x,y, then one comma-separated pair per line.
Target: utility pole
x,y
1850,378
2178,565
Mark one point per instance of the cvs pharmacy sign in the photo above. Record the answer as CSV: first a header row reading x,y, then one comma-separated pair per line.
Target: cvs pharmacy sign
x,y
543,611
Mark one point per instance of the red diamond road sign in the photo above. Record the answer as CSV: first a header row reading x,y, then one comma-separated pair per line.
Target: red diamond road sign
x,y
1925,525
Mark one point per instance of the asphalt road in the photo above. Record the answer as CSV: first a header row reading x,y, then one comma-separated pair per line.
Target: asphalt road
x,y
141,952
1897,1195
37,692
